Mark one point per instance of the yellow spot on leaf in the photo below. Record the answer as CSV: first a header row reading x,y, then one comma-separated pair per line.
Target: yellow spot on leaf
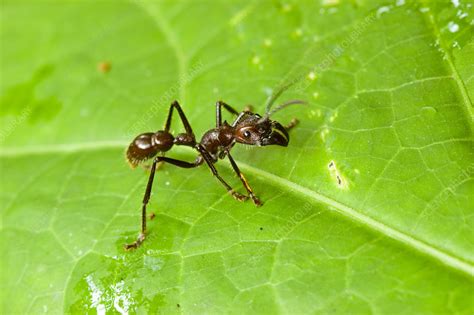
x,y
256,60
286,7
323,134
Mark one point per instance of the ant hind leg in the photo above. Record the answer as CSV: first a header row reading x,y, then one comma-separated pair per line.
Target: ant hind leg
x,y
146,197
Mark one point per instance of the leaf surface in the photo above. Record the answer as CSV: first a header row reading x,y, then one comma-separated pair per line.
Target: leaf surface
x,y
368,210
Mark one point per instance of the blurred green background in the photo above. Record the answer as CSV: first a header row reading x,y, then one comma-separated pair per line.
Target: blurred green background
x,y
368,210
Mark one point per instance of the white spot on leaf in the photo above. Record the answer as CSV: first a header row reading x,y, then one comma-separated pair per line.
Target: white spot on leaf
x,y
153,263
400,2
382,10
329,3
122,300
453,27
96,296
102,299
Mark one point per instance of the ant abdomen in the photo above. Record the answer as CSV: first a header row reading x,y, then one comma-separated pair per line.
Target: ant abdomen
x,y
146,145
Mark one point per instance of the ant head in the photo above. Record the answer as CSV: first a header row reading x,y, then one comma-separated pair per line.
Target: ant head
x,y
254,129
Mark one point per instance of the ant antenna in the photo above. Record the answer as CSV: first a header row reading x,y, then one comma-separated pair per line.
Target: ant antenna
x,y
286,104
272,98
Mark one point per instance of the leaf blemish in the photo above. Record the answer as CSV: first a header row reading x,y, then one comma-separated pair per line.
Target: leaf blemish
x,y
337,176
323,133
382,10
256,60
428,111
96,296
104,66
286,7
298,32
312,76
328,3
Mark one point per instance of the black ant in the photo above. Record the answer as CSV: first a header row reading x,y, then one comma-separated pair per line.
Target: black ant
x,y
248,128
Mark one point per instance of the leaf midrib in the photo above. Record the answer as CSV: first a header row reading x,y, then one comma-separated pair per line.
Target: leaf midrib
x,y
448,260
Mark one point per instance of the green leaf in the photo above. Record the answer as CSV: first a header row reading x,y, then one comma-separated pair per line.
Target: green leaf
x,y
368,210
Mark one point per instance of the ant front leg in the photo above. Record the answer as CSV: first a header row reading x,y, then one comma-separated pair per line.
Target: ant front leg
x,y
210,163
255,200
229,108
146,197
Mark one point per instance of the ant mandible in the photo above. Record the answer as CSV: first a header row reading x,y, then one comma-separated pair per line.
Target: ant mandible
x,y
248,128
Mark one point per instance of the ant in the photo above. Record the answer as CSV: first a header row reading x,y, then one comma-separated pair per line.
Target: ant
x,y
248,128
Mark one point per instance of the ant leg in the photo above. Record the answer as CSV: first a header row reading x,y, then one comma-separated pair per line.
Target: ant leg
x,y
146,197
210,163
292,124
229,108
184,120
256,201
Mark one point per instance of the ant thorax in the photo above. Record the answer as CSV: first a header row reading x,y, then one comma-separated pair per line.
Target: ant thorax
x,y
218,139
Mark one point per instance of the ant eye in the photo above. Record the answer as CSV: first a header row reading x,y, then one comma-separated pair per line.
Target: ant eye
x,y
247,134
